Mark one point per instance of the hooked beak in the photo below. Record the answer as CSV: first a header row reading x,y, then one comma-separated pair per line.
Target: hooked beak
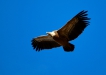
x,y
48,33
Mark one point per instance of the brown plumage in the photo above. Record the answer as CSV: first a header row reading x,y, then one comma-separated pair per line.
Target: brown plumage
x,y
61,37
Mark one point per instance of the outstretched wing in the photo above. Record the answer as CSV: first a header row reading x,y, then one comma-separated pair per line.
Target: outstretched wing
x,y
44,42
75,26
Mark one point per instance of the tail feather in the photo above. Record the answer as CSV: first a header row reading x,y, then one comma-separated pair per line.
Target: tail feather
x,y
69,47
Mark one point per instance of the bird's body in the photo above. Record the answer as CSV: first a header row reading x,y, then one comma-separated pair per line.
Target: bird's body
x,y
60,40
61,37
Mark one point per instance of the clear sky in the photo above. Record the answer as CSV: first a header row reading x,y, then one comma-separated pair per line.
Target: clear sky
x,y
21,20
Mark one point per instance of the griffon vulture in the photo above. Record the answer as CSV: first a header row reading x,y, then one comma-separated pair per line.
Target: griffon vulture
x,y
61,37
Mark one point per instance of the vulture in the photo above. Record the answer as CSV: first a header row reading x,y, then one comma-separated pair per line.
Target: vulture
x,y
62,37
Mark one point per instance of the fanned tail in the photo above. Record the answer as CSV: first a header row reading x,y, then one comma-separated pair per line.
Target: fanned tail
x,y
69,47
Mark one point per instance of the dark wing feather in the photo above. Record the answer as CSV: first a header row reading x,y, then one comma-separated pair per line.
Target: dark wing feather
x,y
44,42
75,26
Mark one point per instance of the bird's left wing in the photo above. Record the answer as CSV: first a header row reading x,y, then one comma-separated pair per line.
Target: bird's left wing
x,y
75,26
44,42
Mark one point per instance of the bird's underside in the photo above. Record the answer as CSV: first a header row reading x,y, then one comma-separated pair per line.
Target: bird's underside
x,y
61,37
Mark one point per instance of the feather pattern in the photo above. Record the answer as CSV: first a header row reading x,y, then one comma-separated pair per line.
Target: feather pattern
x,y
44,42
75,26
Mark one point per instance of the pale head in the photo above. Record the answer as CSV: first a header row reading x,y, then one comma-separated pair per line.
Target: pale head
x,y
53,33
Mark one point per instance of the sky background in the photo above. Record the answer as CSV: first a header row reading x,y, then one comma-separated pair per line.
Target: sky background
x,y
22,20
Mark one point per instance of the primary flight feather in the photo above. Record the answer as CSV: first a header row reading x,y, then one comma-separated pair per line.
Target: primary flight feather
x,y
61,37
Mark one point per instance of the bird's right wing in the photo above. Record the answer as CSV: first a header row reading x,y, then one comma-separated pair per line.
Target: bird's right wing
x,y
44,42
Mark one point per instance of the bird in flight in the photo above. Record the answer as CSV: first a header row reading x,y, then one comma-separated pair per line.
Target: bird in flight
x,y
61,37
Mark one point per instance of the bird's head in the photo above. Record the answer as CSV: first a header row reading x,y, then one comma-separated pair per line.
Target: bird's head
x,y
51,33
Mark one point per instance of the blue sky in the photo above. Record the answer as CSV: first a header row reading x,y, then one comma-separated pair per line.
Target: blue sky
x,y
21,20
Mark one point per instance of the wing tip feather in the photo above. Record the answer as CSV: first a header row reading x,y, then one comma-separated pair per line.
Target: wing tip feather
x,y
83,17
